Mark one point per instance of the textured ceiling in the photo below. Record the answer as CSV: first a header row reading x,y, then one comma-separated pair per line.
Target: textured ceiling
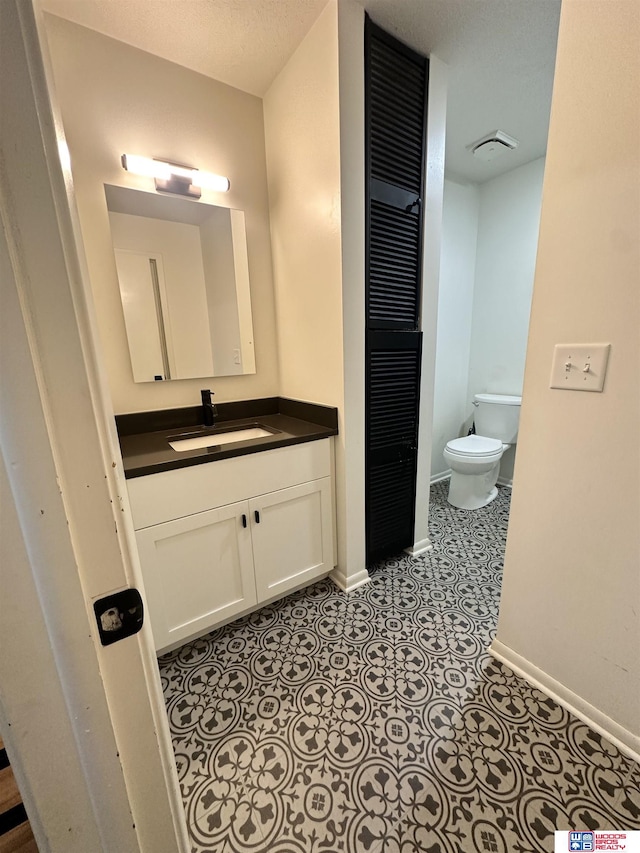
x,y
244,43
500,54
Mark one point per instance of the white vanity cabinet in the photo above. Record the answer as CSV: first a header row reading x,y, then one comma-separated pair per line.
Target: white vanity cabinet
x,y
216,540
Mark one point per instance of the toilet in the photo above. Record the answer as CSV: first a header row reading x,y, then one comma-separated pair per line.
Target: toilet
x,y
475,459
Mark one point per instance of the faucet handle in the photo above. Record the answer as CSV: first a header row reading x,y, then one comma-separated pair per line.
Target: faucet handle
x,y
209,411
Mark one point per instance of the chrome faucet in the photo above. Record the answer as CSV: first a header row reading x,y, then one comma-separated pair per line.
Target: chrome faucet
x,y
209,411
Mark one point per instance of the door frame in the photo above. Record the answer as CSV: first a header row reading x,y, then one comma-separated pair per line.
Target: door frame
x,y
66,483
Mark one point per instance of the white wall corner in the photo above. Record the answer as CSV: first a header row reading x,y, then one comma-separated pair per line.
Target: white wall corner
x,y
350,453
626,741
452,408
418,548
507,482
351,581
433,202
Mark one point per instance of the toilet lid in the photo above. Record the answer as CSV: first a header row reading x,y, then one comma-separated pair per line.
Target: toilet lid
x,y
499,399
474,445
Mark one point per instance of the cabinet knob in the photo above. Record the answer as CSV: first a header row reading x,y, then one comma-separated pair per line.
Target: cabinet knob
x,y
244,520
257,516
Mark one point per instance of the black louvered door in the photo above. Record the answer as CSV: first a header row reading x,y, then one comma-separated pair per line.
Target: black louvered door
x,y
396,92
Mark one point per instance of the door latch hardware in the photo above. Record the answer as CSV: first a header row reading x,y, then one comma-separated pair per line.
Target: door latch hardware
x,y
119,615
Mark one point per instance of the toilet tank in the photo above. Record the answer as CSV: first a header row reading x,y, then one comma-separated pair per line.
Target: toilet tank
x,y
497,416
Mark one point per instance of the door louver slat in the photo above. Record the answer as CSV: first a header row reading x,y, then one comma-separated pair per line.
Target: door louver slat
x,y
393,265
397,87
391,506
387,126
393,414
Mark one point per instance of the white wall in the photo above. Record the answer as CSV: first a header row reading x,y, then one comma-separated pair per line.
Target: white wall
x,y
314,130
304,131
117,99
489,252
508,223
301,116
432,242
570,609
455,307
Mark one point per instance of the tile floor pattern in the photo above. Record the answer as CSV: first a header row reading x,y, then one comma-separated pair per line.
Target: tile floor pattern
x,y
378,723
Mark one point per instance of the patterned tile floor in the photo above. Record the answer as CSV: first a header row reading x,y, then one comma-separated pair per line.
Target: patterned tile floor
x,y
378,722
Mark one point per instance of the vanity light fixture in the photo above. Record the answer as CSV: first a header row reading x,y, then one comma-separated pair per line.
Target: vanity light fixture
x,y
174,177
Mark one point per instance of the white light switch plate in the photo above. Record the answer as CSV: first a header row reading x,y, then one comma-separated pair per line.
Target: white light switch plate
x,y
579,367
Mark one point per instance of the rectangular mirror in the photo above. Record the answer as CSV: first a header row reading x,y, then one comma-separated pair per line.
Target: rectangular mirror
x,y
184,284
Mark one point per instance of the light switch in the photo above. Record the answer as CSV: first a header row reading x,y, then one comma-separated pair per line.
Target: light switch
x,y
579,367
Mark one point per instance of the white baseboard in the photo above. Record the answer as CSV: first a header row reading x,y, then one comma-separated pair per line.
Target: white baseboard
x,y
348,584
626,741
445,475
419,548
504,481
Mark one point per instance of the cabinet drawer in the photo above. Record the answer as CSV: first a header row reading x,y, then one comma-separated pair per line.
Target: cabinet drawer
x,y
184,491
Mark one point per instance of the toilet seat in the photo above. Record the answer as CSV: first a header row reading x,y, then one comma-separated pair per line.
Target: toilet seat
x,y
475,446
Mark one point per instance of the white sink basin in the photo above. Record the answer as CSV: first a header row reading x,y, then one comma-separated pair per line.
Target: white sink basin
x,y
230,437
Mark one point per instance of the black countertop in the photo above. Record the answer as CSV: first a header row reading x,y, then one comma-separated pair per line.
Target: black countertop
x,y
144,437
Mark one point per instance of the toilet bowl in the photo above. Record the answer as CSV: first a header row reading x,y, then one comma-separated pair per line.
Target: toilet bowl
x,y
475,459
475,465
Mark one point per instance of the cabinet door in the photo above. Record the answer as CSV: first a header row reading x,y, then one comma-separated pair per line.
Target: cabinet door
x,y
198,571
292,532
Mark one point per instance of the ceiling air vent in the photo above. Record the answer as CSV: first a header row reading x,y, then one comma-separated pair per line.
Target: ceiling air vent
x,y
493,145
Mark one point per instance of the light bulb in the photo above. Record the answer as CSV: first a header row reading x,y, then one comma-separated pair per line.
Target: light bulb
x,y
145,166
209,181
